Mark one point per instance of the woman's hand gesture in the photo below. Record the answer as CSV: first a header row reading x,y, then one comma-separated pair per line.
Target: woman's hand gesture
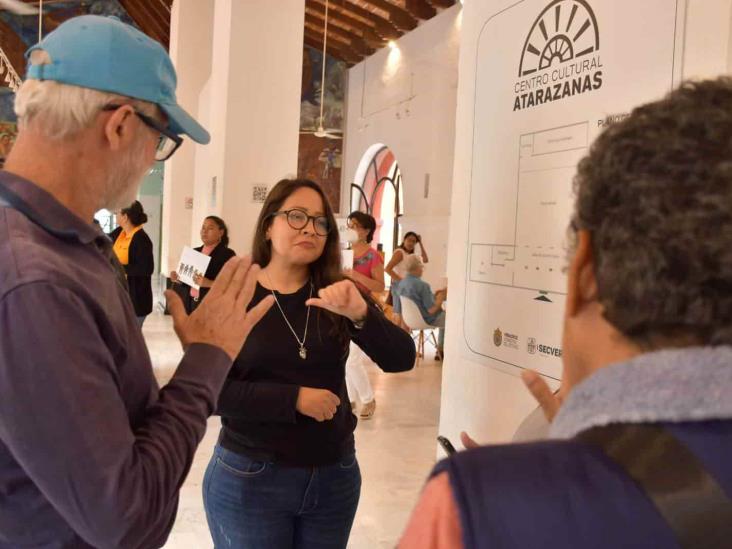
x,y
341,298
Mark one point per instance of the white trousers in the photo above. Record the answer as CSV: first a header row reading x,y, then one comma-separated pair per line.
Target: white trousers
x,y
357,379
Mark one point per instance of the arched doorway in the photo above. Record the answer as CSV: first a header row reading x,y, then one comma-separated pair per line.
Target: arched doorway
x,y
377,190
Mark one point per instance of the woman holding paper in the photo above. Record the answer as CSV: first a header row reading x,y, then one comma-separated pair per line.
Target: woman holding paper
x,y
215,238
134,250
284,473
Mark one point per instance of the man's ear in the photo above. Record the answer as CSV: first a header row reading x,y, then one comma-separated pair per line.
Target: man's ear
x,y
581,281
119,128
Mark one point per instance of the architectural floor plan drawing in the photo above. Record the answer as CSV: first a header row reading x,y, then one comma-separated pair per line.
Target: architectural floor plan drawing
x,y
550,76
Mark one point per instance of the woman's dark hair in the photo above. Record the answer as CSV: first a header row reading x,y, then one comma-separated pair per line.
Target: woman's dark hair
x,y
366,221
325,270
222,226
407,235
135,213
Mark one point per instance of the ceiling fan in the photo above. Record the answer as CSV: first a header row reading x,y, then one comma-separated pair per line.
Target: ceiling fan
x,y
330,133
18,7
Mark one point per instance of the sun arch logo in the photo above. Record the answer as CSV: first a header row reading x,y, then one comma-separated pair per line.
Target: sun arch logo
x,y
560,57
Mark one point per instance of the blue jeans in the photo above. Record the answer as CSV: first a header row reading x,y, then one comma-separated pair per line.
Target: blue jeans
x,y
257,505
439,321
396,303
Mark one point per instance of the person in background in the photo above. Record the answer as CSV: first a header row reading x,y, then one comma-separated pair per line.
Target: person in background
x,y
430,304
395,269
284,473
640,447
93,452
215,238
368,274
134,250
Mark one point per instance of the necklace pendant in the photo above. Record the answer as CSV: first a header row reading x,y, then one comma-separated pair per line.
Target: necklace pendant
x,y
303,352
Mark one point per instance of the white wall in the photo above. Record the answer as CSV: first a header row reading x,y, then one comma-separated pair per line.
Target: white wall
x,y
191,37
487,402
405,98
242,81
257,79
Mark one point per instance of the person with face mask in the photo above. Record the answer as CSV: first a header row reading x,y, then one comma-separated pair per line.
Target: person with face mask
x,y
396,270
368,274
215,238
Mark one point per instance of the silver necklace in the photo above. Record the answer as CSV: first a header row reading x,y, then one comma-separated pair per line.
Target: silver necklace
x,y
301,344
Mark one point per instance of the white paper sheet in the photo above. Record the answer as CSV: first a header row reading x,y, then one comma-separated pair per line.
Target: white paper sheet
x,y
191,263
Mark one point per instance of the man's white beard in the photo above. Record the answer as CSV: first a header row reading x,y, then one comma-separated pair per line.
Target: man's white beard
x,y
124,182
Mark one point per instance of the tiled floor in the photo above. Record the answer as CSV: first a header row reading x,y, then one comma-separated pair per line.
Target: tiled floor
x,y
396,449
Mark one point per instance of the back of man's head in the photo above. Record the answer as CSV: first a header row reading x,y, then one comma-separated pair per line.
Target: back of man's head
x,y
90,62
655,194
413,265
60,111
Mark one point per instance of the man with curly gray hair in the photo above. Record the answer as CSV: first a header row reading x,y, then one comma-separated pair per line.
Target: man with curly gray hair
x,y
92,451
641,449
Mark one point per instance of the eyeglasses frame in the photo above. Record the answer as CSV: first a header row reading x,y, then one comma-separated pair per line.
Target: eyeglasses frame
x,y
155,125
309,218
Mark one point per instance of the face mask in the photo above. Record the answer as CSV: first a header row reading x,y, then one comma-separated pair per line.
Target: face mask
x,y
351,236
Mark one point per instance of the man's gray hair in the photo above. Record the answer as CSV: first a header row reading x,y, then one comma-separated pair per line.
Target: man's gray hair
x,y
655,194
60,111
412,263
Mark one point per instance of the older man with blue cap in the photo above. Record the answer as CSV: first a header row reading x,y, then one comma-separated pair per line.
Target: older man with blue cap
x,y
92,452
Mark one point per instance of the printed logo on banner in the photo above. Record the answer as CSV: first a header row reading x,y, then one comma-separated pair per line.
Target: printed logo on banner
x,y
560,57
497,337
510,340
546,350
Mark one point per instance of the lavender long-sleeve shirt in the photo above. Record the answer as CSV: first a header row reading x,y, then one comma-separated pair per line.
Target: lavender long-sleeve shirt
x,y
92,452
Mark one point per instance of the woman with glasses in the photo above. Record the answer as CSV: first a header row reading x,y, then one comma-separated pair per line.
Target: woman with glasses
x,y
215,238
134,250
368,274
284,473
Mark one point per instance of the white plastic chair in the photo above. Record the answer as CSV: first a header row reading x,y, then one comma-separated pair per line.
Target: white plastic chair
x,y
413,318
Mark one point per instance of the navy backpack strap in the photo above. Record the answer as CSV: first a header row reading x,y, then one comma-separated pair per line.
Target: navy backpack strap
x,y
685,494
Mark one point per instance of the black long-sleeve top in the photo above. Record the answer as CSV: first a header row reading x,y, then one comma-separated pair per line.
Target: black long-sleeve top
x,y
219,256
139,270
257,403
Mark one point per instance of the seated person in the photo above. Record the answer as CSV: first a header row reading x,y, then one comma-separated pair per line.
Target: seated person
x,y
430,304
640,450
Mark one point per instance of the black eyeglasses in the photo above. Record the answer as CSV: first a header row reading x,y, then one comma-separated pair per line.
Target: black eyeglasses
x,y
168,142
298,219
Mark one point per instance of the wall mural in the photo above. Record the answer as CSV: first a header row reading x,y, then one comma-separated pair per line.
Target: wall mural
x,y
320,158
26,27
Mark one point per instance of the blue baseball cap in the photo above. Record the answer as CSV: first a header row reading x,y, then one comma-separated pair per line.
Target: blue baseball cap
x,y
105,54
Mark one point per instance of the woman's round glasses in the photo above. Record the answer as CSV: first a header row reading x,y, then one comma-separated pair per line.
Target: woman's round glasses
x,y
298,220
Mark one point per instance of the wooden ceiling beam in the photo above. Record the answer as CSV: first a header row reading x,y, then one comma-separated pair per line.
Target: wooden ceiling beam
x,y
420,9
157,14
400,17
148,25
339,43
442,3
14,48
357,43
161,11
347,57
383,27
367,31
